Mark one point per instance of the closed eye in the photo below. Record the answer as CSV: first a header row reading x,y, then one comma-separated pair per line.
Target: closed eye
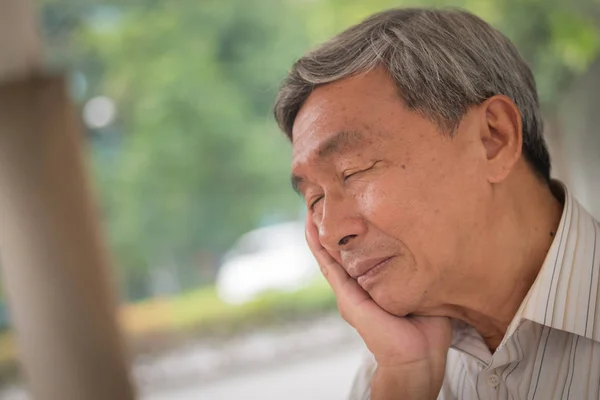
x,y
350,174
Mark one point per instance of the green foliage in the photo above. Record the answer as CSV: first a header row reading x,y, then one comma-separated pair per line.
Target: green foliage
x,y
201,310
194,159
199,161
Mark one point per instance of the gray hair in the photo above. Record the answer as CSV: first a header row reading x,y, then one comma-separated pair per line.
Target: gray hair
x,y
443,62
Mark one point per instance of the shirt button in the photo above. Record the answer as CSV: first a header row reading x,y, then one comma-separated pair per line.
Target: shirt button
x,y
493,380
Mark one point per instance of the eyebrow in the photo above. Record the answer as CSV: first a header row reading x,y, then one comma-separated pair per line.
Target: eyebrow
x,y
296,182
341,142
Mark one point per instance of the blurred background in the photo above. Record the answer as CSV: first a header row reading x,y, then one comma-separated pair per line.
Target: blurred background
x,y
220,298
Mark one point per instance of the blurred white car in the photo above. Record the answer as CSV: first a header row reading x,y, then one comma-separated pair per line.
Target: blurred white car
x,y
274,258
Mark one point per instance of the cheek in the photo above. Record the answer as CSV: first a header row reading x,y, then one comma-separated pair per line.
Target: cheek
x,y
393,205
376,202
415,211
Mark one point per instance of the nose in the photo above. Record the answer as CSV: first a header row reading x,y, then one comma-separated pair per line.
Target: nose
x,y
340,224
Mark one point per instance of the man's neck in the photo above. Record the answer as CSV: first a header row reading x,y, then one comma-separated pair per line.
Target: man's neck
x,y
510,264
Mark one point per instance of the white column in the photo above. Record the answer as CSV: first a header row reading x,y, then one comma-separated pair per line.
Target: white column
x,y
55,268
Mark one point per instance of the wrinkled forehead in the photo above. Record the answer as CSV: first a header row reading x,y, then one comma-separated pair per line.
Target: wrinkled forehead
x,y
361,104
330,127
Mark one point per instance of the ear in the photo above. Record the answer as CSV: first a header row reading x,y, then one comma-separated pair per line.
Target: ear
x,y
501,135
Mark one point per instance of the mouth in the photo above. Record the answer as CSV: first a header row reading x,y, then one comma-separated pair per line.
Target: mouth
x,y
367,279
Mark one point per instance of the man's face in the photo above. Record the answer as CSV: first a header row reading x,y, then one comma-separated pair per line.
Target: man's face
x,y
386,188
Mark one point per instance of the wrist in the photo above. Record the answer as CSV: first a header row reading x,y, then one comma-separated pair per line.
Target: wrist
x,y
419,380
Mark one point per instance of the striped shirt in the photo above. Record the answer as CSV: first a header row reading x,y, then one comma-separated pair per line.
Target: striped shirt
x,y
551,349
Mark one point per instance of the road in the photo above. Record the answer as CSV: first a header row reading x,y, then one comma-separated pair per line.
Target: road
x,y
320,377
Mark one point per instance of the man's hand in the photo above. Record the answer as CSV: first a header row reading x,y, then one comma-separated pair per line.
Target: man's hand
x,y
410,352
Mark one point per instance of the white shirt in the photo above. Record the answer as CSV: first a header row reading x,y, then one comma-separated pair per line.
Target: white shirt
x,y
551,349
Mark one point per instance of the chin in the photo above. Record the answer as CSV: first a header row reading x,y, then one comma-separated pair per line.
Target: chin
x,y
400,305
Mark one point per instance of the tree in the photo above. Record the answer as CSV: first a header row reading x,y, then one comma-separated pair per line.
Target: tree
x,y
194,158
199,161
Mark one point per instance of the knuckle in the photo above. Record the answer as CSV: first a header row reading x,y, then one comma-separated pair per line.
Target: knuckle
x,y
343,312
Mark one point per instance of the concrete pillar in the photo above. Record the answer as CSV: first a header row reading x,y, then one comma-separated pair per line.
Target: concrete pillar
x,y
55,268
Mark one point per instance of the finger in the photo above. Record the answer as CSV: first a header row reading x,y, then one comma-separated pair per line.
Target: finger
x,y
378,328
355,305
348,292
331,269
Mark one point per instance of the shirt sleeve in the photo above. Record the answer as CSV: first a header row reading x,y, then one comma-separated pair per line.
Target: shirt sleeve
x,y
361,387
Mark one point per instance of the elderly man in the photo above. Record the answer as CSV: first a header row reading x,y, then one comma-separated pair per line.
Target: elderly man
x,y
469,273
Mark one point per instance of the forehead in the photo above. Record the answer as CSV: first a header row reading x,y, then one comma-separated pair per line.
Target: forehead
x,y
364,103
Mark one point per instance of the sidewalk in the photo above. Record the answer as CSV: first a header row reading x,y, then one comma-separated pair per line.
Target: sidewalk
x,y
208,361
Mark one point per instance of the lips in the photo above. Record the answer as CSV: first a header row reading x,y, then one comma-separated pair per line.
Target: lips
x,y
363,267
